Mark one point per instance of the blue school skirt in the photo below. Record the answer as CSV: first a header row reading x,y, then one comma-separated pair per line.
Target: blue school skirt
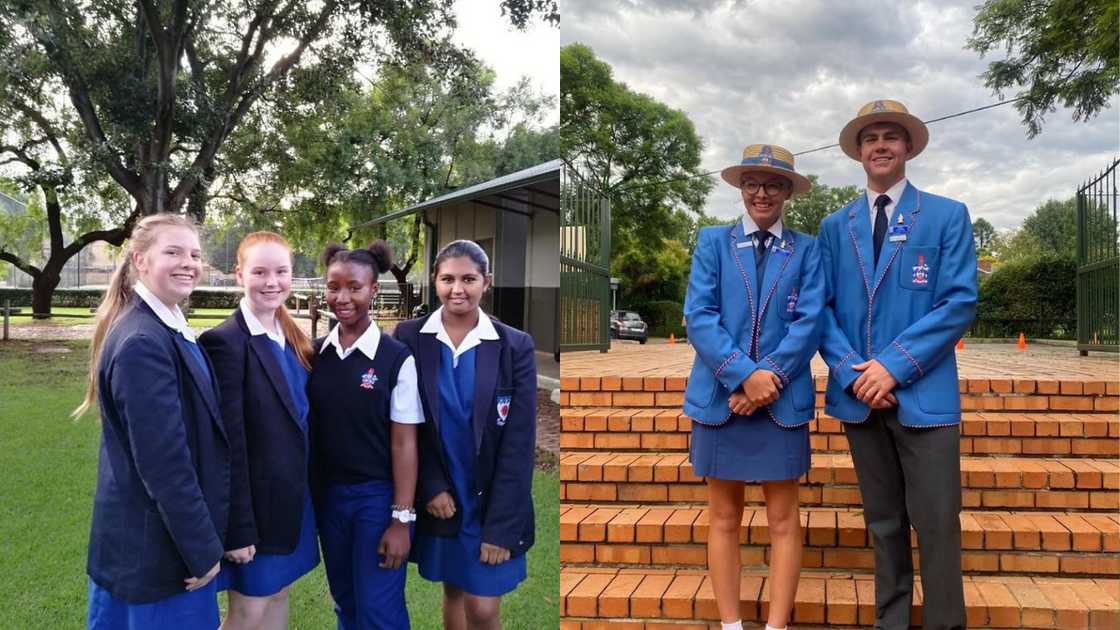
x,y
269,574
753,448
195,610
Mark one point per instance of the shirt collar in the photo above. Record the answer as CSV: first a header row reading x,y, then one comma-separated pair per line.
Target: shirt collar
x,y
483,330
367,343
171,317
894,192
750,227
255,326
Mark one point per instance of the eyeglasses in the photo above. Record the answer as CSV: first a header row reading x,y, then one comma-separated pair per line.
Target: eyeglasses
x,y
772,189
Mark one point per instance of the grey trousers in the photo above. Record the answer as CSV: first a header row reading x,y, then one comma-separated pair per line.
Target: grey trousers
x,y
911,477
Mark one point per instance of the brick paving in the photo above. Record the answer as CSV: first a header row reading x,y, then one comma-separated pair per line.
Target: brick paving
x,y
975,361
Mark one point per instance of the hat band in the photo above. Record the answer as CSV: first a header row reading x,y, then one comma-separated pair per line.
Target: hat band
x,y
768,161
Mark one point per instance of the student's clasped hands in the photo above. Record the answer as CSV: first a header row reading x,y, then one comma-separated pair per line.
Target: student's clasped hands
x,y
761,388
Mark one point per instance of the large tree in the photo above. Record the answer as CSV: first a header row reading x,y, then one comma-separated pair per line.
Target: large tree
x,y
1058,51
804,213
644,156
154,89
984,235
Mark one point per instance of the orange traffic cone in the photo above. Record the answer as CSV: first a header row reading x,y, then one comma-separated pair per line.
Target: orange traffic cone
x,y
672,339
960,344
1022,343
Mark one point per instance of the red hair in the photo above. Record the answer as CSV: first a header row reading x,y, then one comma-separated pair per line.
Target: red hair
x,y
292,332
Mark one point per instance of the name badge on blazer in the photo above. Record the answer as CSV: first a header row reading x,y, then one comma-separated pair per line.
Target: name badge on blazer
x,y
783,248
899,233
742,244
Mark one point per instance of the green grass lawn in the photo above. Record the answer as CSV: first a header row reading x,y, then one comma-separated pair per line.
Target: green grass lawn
x,y
49,465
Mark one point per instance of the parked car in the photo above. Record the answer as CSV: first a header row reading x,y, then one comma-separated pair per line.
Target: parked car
x,y
628,325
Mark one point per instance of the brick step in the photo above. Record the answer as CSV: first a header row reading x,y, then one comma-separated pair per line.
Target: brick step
x,y
992,542
987,482
977,394
649,599
982,433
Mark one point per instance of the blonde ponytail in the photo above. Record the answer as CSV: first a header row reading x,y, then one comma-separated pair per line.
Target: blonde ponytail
x,y
119,292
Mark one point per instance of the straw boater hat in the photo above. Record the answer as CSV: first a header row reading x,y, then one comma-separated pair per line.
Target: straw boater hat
x,y
766,158
883,111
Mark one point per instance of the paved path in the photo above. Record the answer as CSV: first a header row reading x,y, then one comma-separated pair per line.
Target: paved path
x,y
976,361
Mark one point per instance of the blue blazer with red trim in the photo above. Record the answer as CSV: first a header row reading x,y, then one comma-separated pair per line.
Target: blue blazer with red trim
x,y
908,312
734,333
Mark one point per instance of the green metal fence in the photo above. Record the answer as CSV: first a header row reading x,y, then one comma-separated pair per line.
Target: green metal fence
x,y
585,254
1098,264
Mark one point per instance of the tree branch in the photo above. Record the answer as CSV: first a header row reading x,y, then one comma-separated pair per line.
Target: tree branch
x,y
20,264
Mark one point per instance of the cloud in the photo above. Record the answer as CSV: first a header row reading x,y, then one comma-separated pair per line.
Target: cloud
x,y
793,73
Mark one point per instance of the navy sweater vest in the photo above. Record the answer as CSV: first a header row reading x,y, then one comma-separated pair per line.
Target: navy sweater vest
x,y
350,412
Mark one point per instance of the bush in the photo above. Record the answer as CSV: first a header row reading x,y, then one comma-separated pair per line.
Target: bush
x,y
1038,297
662,317
200,298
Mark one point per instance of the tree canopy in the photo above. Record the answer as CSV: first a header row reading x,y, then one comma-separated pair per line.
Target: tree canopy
x,y
1058,51
804,213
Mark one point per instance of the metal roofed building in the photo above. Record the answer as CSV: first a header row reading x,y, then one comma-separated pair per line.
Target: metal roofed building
x,y
516,220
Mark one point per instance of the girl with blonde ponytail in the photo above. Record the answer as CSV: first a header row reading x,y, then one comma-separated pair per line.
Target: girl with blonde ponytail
x,y
261,359
161,505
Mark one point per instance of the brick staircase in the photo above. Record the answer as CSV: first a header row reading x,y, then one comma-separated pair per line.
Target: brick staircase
x,y
1040,488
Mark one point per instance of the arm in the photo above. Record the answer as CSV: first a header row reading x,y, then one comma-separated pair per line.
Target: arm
x,y
511,486
431,480
405,415
835,349
229,370
925,342
715,346
145,387
797,348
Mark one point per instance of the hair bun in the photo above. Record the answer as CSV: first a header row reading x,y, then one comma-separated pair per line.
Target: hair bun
x,y
382,255
330,252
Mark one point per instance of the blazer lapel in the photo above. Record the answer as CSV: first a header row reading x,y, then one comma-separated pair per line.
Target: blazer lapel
x,y
428,347
743,255
776,264
859,230
485,381
272,369
205,386
908,204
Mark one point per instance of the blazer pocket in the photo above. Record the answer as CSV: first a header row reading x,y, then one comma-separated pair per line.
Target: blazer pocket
x,y
917,270
701,388
160,558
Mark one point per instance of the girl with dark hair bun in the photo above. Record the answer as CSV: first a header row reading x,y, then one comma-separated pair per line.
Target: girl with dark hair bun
x,y
365,412
478,385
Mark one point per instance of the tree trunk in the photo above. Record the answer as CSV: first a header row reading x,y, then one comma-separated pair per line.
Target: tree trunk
x,y
42,290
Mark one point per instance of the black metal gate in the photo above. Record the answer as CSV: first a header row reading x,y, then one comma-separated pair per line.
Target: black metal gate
x,y
585,254
1098,264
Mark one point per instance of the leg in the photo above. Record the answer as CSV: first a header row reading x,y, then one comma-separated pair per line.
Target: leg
x,y
725,514
784,520
336,535
454,608
484,613
379,593
245,612
932,463
276,614
884,510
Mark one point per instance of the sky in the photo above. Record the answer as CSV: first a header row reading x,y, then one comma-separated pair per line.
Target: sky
x,y
512,54
794,72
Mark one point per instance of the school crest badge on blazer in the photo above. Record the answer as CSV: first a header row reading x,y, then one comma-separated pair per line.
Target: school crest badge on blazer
x,y
503,409
369,379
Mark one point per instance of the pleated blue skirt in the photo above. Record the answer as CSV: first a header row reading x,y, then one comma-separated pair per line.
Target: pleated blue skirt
x,y
753,448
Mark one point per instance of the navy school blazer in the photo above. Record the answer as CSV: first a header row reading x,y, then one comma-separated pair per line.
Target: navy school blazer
x,y
269,476
163,477
504,452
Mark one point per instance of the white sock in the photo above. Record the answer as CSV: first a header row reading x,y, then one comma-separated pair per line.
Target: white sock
x,y
770,627
734,625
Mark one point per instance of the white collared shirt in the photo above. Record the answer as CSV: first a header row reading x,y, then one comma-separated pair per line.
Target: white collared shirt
x,y
894,192
750,227
257,328
404,402
172,317
483,330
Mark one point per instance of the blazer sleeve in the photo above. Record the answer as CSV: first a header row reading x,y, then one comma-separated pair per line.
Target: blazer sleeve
x,y
510,500
797,348
835,348
927,341
430,479
145,388
230,364
715,346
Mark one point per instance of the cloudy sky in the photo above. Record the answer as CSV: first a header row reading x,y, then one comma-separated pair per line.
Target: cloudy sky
x,y
512,54
793,72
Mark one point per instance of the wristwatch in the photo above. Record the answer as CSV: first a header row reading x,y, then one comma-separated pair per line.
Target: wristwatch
x,y
403,514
